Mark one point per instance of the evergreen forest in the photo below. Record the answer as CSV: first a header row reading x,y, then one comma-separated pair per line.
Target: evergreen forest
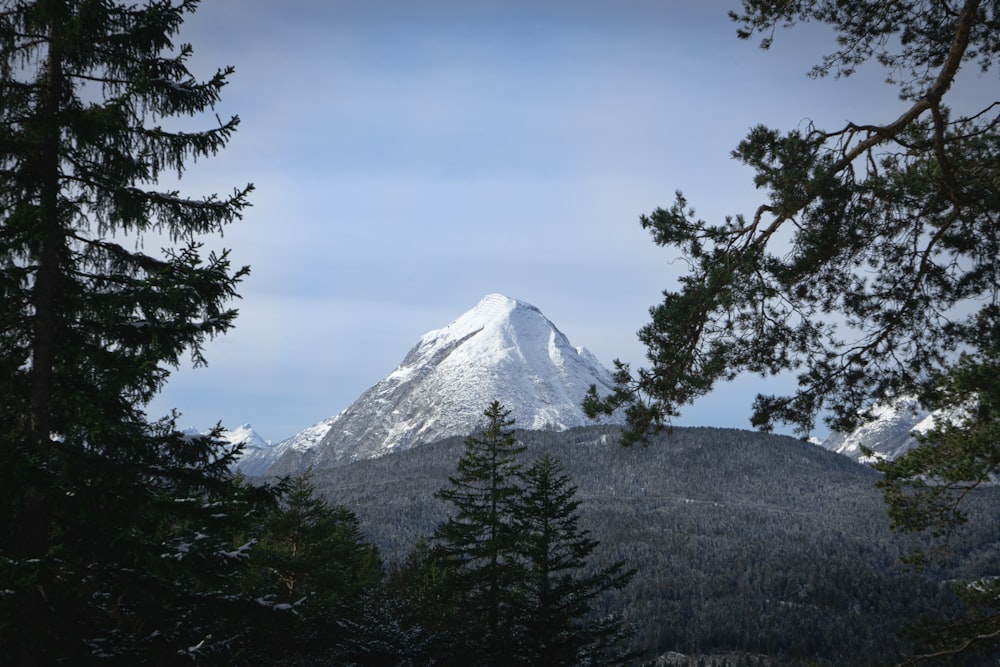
x,y
747,546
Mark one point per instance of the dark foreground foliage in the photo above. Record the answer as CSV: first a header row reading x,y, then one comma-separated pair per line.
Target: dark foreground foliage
x,y
115,529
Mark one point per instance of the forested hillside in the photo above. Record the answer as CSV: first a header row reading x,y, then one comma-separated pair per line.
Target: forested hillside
x,y
743,541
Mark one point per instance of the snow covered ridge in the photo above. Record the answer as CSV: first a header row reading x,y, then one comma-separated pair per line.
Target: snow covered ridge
x,y
247,436
244,435
259,454
889,434
256,462
255,448
502,349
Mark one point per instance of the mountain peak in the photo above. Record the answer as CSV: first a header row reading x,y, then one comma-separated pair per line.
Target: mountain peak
x,y
495,312
493,307
501,349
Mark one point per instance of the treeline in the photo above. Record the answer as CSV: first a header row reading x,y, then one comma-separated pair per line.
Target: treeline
x,y
742,542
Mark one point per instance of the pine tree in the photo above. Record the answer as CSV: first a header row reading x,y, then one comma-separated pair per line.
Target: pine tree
x,y
559,592
478,544
872,264
924,488
862,272
115,534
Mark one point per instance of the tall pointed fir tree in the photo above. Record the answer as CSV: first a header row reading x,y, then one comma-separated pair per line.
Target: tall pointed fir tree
x,y
478,543
113,543
556,616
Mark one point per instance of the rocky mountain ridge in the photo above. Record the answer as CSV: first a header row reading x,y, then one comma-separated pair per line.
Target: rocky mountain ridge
x,y
888,435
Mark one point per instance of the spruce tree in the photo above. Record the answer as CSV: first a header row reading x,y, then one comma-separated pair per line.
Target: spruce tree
x,y
560,589
507,579
115,529
478,544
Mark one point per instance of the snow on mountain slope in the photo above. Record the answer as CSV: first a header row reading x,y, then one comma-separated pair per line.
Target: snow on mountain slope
x,y
255,457
888,435
257,462
891,433
245,434
502,349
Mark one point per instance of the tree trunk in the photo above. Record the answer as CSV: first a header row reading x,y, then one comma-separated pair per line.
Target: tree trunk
x,y
37,513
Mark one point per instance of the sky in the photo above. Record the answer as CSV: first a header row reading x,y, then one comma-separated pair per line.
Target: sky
x,y
411,157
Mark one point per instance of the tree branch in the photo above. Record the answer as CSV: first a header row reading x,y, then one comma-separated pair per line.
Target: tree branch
x,y
935,93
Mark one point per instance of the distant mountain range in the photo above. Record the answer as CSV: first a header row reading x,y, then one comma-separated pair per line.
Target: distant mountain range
x,y
758,548
763,548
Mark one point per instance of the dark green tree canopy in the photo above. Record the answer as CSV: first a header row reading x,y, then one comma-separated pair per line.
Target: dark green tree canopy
x,y
311,571
871,272
478,544
879,241
116,532
926,487
560,587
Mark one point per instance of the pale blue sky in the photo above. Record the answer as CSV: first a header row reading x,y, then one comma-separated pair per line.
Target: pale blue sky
x,y
411,157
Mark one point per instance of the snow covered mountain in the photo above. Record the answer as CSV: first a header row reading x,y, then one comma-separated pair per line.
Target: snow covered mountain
x,y
888,435
502,349
254,459
245,435
257,461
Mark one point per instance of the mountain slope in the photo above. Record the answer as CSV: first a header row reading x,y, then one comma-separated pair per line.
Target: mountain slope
x,y
256,458
502,349
887,435
257,452
743,541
